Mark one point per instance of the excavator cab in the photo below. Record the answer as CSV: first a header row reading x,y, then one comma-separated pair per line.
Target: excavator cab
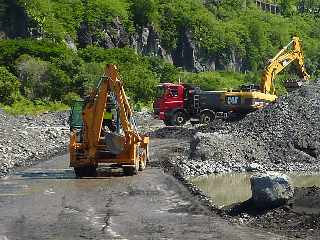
x,y
75,119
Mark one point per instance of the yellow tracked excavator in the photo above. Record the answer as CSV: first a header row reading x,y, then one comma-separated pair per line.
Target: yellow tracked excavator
x,y
252,97
91,144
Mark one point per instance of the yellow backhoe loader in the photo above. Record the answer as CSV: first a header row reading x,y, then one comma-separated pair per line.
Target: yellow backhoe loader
x,y
91,144
251,97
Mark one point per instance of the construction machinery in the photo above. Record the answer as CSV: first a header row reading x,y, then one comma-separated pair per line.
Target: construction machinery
x,y
177,103
251,97
91,144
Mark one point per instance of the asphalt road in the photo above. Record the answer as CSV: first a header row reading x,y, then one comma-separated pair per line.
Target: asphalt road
x,y
47,202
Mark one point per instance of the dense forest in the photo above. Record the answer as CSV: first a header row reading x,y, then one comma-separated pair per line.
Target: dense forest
x,y
53,51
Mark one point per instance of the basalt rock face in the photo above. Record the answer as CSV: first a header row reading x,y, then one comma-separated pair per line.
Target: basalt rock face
x,y
191,57
14,22
147,42
113,35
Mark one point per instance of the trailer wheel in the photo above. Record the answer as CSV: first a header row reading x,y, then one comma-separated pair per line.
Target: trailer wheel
x,y
179,118
206,117
85,171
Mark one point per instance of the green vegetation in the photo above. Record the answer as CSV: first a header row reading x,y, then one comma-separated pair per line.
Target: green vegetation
x,y
25,106
218,80
40,73
9,86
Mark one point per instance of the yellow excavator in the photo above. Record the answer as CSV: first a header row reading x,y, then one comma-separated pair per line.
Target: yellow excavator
x,y
91,144
251,97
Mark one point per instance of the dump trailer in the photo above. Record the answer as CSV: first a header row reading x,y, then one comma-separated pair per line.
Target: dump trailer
x,y
175,104
91,144
251,97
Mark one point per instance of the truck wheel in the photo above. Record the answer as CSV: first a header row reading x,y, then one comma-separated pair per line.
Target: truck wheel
x,y
206,117
85,171
179,118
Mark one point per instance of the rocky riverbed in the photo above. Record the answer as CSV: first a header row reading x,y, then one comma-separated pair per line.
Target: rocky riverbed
x,y
283,136
26,139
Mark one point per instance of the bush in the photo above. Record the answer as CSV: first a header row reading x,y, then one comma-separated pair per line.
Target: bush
x,y
70,97
10,50
9,86
31,72
41,79
216,80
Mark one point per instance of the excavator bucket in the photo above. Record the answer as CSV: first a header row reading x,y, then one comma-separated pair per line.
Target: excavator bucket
x,y
115,143
292,85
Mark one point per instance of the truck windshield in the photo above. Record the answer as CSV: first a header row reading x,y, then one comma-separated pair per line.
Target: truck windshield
x,y
160,90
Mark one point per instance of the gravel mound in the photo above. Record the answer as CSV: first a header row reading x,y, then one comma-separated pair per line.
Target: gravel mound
x,y
25,139
282,137
145,122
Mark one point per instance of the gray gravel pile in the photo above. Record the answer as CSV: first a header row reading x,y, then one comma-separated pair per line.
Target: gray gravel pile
x,y
25,139
173,132
282,137
145,122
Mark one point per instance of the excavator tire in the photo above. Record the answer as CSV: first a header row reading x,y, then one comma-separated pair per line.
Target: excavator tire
x,y
130,170
85,171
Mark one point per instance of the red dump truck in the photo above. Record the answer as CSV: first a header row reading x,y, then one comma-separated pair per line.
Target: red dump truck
x,y
175,104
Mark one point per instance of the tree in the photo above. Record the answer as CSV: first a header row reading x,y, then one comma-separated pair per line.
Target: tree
x,y
288,7
30,72
144,11
41,79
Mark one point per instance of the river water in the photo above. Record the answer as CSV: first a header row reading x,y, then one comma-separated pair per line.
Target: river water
x,y
225,189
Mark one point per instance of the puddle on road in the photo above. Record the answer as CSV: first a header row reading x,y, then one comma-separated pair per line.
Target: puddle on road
x,y
225,189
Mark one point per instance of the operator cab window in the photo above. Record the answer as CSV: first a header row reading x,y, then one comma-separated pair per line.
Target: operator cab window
x,y
174,92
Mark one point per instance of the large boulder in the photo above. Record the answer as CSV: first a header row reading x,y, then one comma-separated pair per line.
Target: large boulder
x,y
271,189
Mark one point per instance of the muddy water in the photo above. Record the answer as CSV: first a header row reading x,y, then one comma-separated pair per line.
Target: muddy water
x,y
225,189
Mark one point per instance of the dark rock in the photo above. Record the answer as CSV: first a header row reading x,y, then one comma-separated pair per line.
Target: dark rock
x,y
271,189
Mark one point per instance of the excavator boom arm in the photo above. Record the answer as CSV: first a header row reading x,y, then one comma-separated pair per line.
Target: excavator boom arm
x,y
280,61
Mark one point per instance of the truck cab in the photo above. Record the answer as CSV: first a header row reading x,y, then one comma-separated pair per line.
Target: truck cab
x,y
169,103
